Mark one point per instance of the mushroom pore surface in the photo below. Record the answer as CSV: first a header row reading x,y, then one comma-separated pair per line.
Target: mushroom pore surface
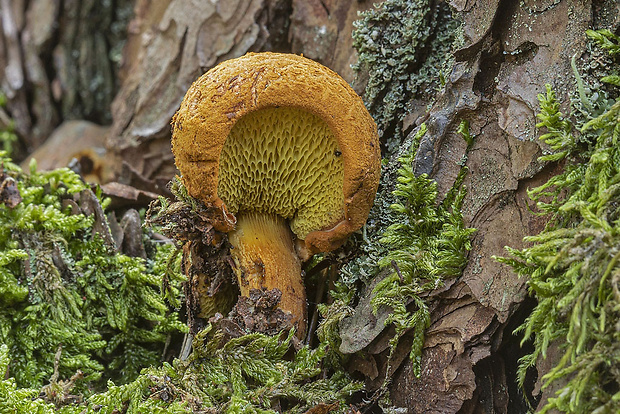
x,y
283,161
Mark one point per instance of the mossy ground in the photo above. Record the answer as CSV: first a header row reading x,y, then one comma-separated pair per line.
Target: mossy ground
x,y
71,301
248,373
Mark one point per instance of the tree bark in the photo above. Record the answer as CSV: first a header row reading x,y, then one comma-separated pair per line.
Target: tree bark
x,y
60,62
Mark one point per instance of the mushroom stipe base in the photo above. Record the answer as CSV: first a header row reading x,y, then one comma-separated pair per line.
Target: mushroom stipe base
x,y
264,258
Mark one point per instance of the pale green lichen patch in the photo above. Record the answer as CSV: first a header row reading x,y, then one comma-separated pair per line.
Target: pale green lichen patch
x,y
405,48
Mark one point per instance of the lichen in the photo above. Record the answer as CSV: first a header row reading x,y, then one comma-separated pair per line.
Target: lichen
x,y
572,266
405,48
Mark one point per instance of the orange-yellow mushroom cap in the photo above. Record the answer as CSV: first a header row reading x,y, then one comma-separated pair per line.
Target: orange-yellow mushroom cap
x,y
265,118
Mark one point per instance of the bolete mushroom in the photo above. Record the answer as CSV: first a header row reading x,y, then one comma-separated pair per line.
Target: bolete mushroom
x,y
285,146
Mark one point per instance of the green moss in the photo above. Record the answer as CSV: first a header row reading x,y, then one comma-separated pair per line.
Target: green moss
x,y
18,400
252,371
405,48
573,266
248,374
70,301
427,244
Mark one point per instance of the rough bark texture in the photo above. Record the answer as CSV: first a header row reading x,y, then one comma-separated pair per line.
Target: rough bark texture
x,y
60,62
169,47
510,50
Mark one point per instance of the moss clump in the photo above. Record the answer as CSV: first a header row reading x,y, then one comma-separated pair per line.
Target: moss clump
x,y
251,373
246,374
427,244
573,265
405,47
70,300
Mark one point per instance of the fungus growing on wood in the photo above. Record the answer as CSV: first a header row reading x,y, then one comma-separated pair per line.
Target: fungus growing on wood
x,y
286,151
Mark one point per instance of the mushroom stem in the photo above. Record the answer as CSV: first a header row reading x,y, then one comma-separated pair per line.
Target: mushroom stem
x,y
265,258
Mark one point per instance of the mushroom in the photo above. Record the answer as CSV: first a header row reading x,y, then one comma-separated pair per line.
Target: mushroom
x,y
284,146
